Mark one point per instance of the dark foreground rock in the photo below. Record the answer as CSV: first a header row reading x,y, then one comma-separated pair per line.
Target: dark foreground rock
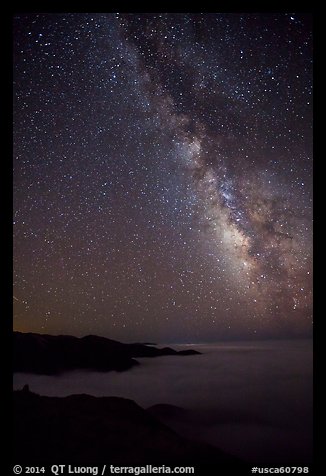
x,y
84,429
50,355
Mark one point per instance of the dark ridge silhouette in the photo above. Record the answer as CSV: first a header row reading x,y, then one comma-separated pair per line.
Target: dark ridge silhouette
x,y
51,355
87,429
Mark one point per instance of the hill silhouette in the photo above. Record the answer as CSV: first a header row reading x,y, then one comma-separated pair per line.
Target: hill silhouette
x,y
87,429
50,355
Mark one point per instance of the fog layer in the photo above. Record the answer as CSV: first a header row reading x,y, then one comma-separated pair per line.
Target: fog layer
x,y
251,399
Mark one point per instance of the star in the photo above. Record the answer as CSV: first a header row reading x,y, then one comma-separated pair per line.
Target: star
x,y
163,174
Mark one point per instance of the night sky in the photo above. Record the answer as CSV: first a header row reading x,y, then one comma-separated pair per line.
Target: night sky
x,y
163,175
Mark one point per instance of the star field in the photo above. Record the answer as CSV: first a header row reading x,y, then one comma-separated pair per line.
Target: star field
x,y
163,175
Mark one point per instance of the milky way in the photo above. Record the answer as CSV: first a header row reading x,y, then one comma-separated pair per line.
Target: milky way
x,y
163,175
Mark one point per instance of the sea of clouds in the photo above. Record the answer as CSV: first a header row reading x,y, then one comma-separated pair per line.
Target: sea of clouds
x,y
252,399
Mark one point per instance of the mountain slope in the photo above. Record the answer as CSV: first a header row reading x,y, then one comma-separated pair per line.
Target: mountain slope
x,y
50,355
86,429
